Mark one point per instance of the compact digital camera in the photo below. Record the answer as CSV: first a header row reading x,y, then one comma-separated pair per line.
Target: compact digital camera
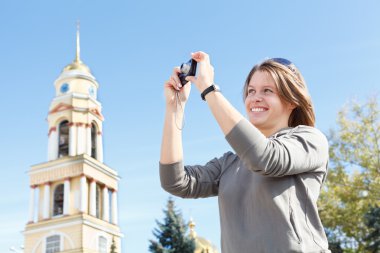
x,y
187,69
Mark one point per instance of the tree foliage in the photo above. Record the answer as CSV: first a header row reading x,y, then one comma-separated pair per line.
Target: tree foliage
x,y
372,221
171,234
334,242
353,182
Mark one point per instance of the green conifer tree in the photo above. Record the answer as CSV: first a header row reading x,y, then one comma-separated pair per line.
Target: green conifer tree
x,y
372,221
171,233
113,246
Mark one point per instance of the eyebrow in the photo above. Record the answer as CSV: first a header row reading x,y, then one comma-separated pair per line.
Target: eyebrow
x,y
265,86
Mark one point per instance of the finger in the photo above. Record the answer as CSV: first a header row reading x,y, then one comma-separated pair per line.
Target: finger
x,y
168,84
176,82
171,84
196,56
200,56
176,70
175,78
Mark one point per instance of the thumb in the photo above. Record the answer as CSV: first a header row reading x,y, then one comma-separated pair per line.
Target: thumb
x,y
191,79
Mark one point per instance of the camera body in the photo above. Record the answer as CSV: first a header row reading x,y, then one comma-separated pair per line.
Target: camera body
x,y
187,69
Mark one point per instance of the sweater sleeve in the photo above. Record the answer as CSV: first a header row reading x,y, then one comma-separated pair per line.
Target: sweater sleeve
x,y
198,181
300,150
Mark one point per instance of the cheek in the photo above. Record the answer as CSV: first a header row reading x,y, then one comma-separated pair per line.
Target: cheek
x,y
246,102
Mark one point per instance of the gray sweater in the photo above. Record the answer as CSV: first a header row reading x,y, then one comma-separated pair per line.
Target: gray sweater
x,y
267,191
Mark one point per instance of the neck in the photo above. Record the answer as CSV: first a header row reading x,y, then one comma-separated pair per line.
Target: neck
x,y
269,132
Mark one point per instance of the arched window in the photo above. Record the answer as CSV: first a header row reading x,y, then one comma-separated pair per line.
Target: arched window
x,y
53,244
94,133
102,244
58,200
63,148
98,200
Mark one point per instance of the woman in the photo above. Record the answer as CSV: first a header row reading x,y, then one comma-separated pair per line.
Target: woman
x,y
268,188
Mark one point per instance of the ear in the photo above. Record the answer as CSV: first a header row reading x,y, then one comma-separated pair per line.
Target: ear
x,y
292,107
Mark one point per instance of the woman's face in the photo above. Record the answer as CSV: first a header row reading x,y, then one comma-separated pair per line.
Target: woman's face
x,y
264,107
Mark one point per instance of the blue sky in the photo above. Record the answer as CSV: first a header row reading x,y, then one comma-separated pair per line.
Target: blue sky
x,y
131,48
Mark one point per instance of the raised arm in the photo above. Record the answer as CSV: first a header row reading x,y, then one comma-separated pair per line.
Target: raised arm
x,y
176,98
192,181
225,114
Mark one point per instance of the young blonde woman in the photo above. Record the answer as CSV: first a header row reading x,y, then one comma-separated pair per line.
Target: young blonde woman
x,y
268,189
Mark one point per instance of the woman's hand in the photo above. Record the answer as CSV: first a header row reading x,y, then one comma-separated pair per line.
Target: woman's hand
x,y
205,72
173,86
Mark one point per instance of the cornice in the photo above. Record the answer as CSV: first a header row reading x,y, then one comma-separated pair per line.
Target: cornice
x,y
73,160
76,95
72,220
63,107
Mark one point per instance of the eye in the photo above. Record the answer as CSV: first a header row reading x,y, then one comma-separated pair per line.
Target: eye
x,y
250,91
267,91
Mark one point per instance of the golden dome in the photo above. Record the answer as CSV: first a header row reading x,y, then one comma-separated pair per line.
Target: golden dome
x,y
202,245
77,65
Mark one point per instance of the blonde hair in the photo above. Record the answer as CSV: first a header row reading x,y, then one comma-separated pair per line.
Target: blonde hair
x,y
291,88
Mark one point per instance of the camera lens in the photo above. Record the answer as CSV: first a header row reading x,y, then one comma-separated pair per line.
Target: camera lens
x,y
185,68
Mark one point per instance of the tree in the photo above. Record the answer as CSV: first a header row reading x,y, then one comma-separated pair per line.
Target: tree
x,y
334,242
372,221
353,182
113,246
171,234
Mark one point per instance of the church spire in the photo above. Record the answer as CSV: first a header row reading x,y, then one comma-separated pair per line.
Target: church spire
x,y
77,64
77,56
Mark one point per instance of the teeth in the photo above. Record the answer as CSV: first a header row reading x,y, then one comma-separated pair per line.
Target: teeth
x,y
257,110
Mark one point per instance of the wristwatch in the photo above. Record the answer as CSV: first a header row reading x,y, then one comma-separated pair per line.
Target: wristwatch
x,y
212,87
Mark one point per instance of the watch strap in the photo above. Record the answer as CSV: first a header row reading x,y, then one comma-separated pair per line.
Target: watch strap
x,y
212,87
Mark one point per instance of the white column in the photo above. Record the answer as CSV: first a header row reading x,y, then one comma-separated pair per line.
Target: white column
x,y
106,202
83,194
38,203
46,210
31,204
114,207
53,144
88,140
99,147
72,140
93,197
81,138
66,197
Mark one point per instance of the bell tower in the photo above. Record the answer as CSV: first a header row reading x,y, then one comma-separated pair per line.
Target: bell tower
x,y
75,119
73,196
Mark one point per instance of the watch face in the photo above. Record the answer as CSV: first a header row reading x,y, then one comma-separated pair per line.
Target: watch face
x,y
91,91
65,88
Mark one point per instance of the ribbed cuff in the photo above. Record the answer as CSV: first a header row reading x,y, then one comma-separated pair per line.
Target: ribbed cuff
x,y
170,173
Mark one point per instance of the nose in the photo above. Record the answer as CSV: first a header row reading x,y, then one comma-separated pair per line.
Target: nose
x,y
256,97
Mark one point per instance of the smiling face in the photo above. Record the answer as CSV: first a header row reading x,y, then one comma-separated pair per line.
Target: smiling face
x,y
264,107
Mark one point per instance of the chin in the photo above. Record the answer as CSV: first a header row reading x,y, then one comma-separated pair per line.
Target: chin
x,y
257,122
